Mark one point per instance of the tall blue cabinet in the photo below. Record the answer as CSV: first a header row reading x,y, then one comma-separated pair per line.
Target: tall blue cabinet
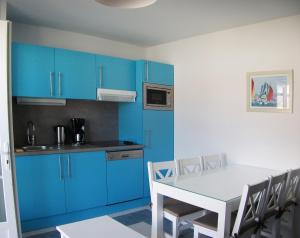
x,y
152,128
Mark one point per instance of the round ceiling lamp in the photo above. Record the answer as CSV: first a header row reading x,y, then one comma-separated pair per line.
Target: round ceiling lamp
x,y
127,3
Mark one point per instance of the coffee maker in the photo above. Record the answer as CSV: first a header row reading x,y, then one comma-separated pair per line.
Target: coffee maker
x,y
78,131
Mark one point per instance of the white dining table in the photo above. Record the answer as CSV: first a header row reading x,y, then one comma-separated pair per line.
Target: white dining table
x,y
217,190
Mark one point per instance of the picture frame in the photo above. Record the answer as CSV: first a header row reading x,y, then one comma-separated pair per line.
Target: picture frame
x,y
270,91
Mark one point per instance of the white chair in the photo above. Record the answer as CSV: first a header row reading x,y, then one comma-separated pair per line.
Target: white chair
x,y
189,165
179,213
215,161
290,201
273,204
244,221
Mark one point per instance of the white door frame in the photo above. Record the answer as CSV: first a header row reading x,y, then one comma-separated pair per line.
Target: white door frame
x,y
8,229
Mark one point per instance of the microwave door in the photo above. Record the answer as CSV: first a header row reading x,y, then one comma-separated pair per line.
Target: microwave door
x,y
156,97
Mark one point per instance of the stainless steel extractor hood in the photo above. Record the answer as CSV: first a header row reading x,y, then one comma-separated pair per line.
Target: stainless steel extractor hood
x,y
112,95
41,101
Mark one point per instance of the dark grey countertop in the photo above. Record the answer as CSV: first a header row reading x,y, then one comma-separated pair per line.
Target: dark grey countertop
x,y
101,146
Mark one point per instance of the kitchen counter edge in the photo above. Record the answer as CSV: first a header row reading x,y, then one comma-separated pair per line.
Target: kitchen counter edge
x,y
78,150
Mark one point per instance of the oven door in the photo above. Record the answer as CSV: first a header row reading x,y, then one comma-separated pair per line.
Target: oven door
x,y
158,97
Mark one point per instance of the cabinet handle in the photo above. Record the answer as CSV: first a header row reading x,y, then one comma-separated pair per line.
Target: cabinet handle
x,y
59,83
51,84
61,175
148,138
147,71
100,75
69,167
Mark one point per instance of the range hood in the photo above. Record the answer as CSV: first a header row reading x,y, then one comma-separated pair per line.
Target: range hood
x,y
112,95
41,101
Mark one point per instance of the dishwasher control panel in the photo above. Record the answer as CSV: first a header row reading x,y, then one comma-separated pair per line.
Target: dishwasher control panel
x,y
125,154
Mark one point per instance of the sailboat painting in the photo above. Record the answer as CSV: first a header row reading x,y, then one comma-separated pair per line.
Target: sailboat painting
x,y
270,91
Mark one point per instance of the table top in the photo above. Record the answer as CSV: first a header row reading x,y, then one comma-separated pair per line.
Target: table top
x,y
98,227
224,184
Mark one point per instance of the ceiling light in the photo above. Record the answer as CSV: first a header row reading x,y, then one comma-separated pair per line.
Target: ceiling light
x,y
127,3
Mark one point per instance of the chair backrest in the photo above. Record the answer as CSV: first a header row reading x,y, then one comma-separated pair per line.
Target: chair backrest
x,y
275,196
292,185
160,170
189,165
251,207
213,161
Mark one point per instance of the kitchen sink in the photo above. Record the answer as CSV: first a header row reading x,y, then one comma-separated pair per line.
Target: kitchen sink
x,y
35,147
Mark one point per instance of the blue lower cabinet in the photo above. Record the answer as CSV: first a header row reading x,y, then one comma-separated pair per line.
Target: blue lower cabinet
x,y
50,185
41,188
85,180
124,180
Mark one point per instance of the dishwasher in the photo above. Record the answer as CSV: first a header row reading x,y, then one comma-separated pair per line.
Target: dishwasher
x,y
124,175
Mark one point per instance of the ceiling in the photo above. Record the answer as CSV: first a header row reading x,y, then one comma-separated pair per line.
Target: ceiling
x,y
165,21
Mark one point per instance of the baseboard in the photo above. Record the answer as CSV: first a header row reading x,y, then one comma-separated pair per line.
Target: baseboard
x,y
38,232
46,223
129,211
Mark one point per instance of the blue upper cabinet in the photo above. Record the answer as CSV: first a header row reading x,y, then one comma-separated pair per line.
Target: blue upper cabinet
x,y
159,73
41,186
75,74
115,73
32,71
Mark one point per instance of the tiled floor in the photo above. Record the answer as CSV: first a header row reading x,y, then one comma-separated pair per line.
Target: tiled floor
x,y
139,221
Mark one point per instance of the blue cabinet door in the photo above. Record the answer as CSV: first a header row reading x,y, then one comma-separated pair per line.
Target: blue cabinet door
x,y
75,74
158,139
159,73
85,180
115,73
32,71
124,180
40,186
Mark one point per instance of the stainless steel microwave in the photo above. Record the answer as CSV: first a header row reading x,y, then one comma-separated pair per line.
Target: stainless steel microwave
x,y
158,97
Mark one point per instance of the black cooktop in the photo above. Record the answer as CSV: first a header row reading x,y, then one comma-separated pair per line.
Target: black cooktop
x,y
112,143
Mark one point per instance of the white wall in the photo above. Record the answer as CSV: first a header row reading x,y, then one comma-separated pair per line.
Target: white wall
x,y
74,41
210,93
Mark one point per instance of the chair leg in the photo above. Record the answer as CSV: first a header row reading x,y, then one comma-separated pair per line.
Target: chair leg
x,y
175,227
276,228
196,232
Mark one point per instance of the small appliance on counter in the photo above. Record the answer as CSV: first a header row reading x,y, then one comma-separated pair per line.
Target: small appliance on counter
x,y
60,135
78,131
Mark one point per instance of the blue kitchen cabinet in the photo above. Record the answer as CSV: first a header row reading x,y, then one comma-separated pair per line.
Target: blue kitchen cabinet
x,y
115,73
40,183
152,128
55,184
85,180
75,74
124,180
33,71
159,73
158,139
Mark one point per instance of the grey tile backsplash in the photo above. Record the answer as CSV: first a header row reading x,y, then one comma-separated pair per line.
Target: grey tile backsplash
x,y
101,120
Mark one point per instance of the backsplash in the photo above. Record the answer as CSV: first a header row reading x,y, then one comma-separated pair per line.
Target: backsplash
x,y
101,120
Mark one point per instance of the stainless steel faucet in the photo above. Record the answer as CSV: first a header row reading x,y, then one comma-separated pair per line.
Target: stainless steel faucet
x,y
31,137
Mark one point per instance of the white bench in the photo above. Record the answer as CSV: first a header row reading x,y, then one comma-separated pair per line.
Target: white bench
x,y
99,227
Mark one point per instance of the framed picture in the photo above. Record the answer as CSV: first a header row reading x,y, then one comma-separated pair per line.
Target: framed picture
x,y
270,91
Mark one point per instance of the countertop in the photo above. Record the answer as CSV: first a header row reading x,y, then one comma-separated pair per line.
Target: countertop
x,y
89,147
